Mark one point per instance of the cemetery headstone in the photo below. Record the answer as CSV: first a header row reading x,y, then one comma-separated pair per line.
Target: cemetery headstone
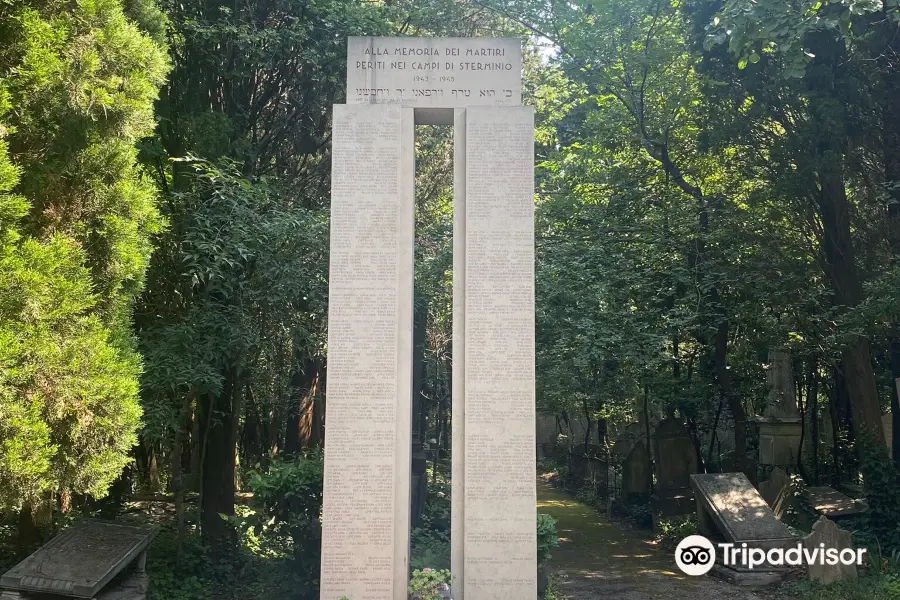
x,y
826,532
636,476
626,439
676,460
93,559
394,84
831,503
729,505
780,427
776,491
730,508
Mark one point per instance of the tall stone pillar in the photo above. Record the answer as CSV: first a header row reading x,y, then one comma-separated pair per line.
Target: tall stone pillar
x,y
365,529
494,532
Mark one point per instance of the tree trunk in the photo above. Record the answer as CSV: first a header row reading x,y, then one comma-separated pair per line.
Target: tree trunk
x,y
304,413
196,471
891,129
843,274
812,401
181,428
734,402
29,534
217,492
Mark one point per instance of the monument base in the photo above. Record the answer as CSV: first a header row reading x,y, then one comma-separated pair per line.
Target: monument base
x,y
747,578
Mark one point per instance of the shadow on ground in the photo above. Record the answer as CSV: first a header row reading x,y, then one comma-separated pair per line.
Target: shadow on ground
x,y
600,559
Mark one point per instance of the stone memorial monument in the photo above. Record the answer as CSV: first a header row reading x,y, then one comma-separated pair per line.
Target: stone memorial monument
x,y
95,559
675,460
637,476
776,491
393,84
826,532
780,426
730,509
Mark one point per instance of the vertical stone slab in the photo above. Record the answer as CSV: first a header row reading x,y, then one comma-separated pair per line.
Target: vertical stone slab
x,y
458,408
365,529
500,546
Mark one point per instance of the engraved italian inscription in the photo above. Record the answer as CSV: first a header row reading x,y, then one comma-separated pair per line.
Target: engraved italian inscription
x,y
434,72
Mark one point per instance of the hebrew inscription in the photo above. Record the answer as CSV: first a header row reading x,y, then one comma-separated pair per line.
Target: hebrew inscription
x,y
435,72
366,321
500,546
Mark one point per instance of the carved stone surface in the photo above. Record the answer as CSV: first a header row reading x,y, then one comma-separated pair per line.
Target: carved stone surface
x,y
80,561
775,491
831,503
625,441
434,72
779,442
365,530
636,477
676,456
729,503
498,528
782,399
826,532
134,587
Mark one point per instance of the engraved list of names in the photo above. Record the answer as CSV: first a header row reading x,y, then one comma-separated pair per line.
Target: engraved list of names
x,y
499,515
369,324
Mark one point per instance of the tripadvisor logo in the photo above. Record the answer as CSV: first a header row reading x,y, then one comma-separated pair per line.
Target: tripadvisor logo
x,y
696,555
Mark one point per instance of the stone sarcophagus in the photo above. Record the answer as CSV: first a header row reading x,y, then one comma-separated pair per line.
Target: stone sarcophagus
x,y
94,559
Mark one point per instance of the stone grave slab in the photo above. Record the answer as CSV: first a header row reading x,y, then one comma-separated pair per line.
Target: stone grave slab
x,y
728,503
826,532
80,561
776,491
831,503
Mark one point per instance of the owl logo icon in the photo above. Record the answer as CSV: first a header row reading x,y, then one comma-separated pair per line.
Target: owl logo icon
x,y
695,555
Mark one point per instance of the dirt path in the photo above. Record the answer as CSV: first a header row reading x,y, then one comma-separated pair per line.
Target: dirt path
x,y
597,559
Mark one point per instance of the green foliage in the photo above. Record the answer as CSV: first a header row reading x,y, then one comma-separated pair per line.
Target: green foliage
x,y
426,584
287,502
547,538
430,542
68,393
429,549
254,574
226,289
77,90
637,514
673,530
553,591
882,518
878,587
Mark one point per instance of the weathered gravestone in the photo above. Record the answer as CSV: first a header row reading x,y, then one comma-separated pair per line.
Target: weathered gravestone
x,y
826,532
676,460
780,426
729,507
630,435
728,504
776,491
831,503
103,561
394,84
636,476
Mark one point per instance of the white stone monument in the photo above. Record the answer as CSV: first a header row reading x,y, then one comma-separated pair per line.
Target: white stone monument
x,y
394,83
